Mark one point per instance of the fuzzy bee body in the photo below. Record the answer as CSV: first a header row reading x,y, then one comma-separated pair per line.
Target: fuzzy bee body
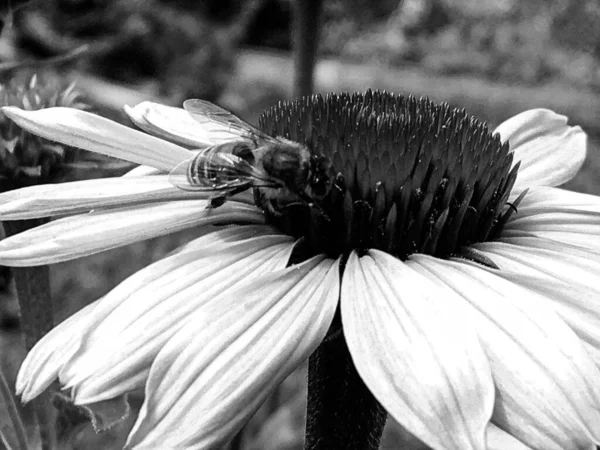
x,y
280,168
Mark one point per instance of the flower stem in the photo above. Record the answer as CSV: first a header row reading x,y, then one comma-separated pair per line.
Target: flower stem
x,y
33,290
36,310
341,412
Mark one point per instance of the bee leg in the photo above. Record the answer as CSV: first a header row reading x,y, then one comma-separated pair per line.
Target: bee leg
x,y
265,203
268,205
258,196
217,201
220,198
312,204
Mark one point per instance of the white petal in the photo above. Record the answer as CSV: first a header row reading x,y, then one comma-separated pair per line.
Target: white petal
x,y
583,238
88,131
543,200
413,350
139,316
564,274
498,439
143,171
566,222
577,305
86,234
40,367
546,381
43,362
172,124
537,256
550,151
215,372
563,216
82,196
234,233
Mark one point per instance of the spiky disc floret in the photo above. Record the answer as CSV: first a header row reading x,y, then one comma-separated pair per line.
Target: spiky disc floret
x,y
407,175
25,158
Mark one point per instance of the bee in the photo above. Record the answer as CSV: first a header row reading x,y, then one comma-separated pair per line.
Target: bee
x,y
280,170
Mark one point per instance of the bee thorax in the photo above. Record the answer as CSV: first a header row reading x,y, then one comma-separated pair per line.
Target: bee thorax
x,y
288,163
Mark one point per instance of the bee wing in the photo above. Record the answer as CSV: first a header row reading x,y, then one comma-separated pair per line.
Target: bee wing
x,y
218,172
222,125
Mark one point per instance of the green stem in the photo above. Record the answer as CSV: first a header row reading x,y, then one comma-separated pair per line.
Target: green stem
x,y
341,412
36,310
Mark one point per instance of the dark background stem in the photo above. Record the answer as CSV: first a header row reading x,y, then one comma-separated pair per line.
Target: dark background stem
x,y
36,311
305,39
341,412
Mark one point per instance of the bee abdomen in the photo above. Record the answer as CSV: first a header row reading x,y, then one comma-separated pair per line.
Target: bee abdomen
x,y
214,166
198,173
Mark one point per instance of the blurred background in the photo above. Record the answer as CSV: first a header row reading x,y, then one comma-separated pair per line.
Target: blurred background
x,y
495,58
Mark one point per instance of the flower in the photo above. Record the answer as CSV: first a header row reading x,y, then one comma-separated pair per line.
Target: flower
x,y
465,278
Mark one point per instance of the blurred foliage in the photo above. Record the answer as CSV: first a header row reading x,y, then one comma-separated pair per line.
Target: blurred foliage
x,y
526,42
187,48
26,159
134,41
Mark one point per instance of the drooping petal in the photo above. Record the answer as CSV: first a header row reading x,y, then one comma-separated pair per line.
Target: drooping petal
x,y
167,122
538,256
225,235
143,171
563,216
48,356
82,196
86,234
216,371
546,393
498,439
133,325
550,151
40,367
576,304
564,274
415,352
88,131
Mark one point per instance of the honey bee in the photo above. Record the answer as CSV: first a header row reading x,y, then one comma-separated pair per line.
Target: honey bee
x,y
282,171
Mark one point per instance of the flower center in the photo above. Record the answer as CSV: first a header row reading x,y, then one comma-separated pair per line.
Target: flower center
x,y
399,174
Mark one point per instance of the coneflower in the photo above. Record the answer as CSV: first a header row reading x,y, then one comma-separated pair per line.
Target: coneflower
x,y
452,282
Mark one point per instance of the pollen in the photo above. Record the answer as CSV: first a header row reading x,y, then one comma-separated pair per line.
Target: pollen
x,y
404,175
